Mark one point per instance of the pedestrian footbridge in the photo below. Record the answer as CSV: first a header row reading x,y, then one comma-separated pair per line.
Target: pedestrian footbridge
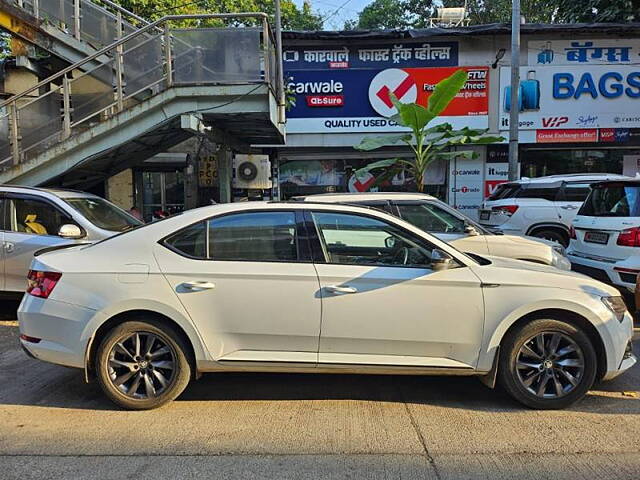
x,y
148,90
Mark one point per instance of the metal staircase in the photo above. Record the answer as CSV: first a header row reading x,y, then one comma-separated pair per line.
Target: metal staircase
x,y
139,96
69,29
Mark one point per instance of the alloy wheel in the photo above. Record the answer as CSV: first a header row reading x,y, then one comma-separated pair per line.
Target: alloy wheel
x,y
141,365
550,365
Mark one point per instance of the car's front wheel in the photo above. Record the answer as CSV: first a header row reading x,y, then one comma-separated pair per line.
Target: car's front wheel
x,y
547,364
142,365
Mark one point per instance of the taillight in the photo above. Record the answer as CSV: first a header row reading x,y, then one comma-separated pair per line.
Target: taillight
x,y
572,233
508,209
41,284
629,237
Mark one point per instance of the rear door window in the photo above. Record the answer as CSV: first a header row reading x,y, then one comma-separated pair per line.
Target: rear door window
x,y
539,192
575,192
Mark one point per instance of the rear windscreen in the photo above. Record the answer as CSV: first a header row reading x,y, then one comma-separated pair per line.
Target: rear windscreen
x,y
505,190
612,200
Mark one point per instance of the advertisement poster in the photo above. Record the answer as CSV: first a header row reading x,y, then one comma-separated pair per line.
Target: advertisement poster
x,y
584,97
631,164
358,100
584,51
466,188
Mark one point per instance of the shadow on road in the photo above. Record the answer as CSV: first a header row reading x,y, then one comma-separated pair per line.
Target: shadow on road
x,y
30,382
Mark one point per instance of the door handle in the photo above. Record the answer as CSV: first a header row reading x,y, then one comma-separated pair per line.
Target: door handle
x,y
9,246
569,207
344,289
198,285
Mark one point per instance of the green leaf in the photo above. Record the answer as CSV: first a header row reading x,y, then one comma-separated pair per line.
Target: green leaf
x,y
372,143
412,115
445,91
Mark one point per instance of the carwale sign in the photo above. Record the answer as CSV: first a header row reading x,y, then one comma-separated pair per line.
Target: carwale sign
x,y
359,100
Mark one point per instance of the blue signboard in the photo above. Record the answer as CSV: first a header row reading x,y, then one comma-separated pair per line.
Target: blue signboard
x,y
397,55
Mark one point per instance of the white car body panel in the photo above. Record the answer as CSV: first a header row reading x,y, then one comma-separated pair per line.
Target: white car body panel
x,y
394,323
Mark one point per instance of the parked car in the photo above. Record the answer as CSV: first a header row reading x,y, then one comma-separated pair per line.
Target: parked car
x,y
605,240
540,207
307,287
36,218
448,224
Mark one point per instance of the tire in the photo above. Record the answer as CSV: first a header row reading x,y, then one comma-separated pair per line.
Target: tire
x,y
515,350
147,380
553,235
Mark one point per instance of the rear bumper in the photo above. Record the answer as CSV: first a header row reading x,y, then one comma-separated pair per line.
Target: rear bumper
x,y
58,326
603,270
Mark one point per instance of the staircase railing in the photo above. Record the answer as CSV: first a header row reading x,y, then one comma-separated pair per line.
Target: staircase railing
x,y
97,22
140,64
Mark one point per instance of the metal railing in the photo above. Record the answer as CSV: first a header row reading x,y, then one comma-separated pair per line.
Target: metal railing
x,y
140,64
98,23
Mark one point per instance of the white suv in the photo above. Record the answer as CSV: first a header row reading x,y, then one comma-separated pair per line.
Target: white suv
x,y
540,207
605,240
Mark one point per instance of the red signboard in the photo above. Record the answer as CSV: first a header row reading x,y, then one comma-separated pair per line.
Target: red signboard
x,y
567,135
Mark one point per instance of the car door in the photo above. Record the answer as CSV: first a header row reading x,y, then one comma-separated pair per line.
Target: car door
x,y
436,220
31,224
384,304
248,283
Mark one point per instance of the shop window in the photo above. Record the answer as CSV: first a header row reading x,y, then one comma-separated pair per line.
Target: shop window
x,y
162,194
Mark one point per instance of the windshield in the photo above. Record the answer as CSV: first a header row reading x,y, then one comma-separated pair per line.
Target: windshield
x,y
612,200
103,214
436,218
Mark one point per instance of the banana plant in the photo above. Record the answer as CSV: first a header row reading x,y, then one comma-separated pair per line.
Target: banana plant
x,y
428,144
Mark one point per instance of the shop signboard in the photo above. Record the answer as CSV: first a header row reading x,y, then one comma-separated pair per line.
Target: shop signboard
x,y
358,100
615,51
574,97
466,188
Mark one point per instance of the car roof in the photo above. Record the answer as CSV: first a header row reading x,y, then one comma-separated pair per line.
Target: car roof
x,y
57,192
629,180
363,197
574,177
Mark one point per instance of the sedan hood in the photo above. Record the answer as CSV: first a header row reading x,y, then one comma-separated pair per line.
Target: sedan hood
x,y
505,271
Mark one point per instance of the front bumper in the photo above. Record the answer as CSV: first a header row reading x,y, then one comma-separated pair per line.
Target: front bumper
x,y
620,356
59,327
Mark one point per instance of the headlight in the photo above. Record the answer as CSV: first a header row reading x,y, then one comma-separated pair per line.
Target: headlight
x,y
616,305
559,249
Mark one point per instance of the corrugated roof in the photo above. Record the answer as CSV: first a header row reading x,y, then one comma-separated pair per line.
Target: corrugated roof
x,y
488,29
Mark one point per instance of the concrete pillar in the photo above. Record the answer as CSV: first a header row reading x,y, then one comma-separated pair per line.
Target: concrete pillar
x,y
224,156
120,189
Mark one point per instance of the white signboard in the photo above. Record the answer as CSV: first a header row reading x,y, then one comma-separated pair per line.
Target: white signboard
x,y
631,165
568,97
584,52
466,189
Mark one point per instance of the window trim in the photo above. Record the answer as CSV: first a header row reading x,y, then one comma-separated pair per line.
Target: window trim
x,y
359,214
6,221
303,253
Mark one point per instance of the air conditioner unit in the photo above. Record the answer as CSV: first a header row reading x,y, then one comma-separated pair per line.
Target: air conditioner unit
x,y
252,171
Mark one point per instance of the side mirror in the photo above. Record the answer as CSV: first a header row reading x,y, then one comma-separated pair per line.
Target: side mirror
x,y
70,231
390,242
471,231
441,260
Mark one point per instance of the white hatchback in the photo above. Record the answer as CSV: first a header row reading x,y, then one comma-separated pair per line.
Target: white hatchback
x,y
315,288
605,238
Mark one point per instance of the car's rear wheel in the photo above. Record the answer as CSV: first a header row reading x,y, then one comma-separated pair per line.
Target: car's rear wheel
x,y
142,365
553,235
547,364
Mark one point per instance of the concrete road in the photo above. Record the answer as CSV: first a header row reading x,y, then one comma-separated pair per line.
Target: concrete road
x,y
52,425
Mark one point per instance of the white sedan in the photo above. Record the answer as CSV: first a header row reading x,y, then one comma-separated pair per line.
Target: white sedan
x,y
450,225
315,288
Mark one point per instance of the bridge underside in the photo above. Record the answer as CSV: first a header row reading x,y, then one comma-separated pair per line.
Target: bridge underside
x,y
239,115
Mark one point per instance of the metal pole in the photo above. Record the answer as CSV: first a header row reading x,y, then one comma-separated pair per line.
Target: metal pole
x,y
167,55
280,78
514,114
15,137
76,19
266,51
66,107
119,67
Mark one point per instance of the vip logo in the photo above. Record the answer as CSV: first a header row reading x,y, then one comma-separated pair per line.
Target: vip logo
x,y
554,122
